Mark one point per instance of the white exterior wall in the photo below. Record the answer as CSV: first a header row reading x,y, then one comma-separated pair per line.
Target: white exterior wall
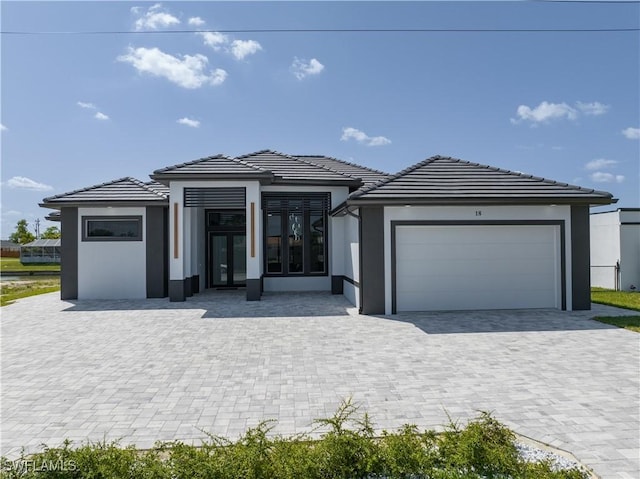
x,y
629,250
615,236
335,244
191,242
475,213
112,269
352,258
605,248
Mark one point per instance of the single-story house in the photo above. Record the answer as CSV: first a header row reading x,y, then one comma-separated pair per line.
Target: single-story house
x,y
9,249
615,249
444,234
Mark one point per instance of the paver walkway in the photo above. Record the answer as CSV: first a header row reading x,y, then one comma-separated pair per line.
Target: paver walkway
x,y
153,370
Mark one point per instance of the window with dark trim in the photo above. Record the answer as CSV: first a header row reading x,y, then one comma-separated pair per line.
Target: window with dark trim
x,y
295,233
112,228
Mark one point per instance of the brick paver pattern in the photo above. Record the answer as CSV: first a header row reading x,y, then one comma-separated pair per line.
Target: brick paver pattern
x,y
153,370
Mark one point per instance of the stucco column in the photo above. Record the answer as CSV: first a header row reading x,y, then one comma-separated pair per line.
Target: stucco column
x,y
176,242
254,241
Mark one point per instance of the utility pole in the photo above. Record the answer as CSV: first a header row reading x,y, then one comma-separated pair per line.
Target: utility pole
x,y
37,228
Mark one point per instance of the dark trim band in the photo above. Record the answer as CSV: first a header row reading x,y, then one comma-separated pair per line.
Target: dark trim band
x,y
351,281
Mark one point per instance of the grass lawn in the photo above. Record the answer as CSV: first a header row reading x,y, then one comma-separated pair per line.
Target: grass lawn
x,y
12,290
620,299
14,264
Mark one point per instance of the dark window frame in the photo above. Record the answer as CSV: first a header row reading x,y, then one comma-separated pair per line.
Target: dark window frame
x,y
283,211
87,219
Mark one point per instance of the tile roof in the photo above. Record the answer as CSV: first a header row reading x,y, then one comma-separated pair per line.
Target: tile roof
x,y
121,190
293,168
218,165
158,187
441,179
367,175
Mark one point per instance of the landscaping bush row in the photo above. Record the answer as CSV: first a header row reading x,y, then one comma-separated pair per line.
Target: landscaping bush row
x,y
347,449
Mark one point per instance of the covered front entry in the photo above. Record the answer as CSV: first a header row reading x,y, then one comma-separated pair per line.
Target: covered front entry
x,y
226,257
477,266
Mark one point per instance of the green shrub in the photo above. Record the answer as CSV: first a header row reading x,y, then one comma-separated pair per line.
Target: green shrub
x,y
484,446
408,453
347,449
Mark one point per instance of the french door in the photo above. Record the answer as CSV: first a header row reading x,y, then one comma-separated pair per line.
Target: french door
x,y
227,259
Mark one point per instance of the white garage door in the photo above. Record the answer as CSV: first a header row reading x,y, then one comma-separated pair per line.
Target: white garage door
x,y
477,267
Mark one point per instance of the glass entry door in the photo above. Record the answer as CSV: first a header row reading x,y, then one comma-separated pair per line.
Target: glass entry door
x,y
227,259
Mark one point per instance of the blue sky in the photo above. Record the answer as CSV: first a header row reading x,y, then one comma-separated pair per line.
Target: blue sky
x,y
85,108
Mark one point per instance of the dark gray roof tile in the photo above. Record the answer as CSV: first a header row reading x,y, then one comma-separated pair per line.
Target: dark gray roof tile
x,y
218,165
368,176
450,179
158,187
121,190
293,168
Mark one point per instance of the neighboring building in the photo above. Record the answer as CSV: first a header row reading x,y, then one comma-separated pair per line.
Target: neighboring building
x,y
9,249
443,234
615,249
42,251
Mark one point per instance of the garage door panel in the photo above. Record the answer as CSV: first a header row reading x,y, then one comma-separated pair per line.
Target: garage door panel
x,y
495,268
447,300
477,267
464,281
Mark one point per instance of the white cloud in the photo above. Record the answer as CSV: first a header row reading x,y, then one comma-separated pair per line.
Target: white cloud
x,y
242,48
188,72
362,138
214,40
189,122
595,108
544,112
100,116
24,183
89,106
632,133
196,21
238,48
3,128
301,68
155,17
602,177
600,164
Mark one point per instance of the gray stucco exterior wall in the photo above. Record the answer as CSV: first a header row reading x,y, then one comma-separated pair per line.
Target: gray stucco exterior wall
x,y
157,252
580,258
69,253
372,260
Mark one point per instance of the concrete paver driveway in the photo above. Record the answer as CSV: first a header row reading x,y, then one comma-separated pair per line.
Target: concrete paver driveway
x,y
153,370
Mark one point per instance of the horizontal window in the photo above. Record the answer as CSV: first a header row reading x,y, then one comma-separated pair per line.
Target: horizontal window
x,y
112,228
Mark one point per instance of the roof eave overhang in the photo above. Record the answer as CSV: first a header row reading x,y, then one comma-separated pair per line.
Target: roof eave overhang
x,y
478,201
166,178
56,205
